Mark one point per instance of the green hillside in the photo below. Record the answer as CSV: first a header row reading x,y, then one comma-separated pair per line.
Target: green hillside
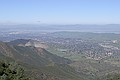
x,y
39,63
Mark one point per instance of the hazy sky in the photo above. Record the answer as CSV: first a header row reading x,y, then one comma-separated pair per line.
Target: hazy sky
x,y
60,11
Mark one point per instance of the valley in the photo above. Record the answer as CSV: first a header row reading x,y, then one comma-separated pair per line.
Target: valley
x,y
64,55
59,39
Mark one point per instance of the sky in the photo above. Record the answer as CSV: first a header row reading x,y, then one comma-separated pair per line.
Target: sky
x,y
59,11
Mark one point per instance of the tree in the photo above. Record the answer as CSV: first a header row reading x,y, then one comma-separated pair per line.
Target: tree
x,y
11,71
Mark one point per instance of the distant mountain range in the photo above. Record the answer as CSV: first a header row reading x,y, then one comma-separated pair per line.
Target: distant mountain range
x,y
108,28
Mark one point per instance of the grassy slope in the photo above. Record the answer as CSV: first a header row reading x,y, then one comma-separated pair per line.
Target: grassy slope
x,y
29,59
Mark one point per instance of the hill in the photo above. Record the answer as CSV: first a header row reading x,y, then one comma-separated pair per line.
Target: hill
x,y
38,63
30,54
